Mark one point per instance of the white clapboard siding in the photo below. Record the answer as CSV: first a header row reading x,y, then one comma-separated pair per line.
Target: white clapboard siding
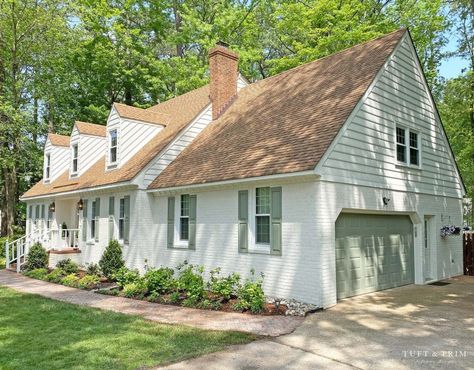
x,y
91,149
133,136
364,153
241,82
177,146
59,160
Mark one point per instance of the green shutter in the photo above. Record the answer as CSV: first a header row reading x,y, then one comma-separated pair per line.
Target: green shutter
x,y
84,220
30,214
126,219
192,221
275,236
243,215
97,218
111,217
170,222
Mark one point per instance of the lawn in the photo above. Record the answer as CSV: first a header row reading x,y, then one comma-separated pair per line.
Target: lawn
x,y
40,333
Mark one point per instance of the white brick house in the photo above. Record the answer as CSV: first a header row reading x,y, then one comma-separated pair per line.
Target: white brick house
x,y
333,178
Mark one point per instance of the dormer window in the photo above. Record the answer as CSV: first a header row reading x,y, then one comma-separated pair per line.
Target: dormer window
x,y
75,152
113,147
47,169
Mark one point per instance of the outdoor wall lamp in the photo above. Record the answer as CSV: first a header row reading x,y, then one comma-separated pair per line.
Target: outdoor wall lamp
x,y
80,205
52,207
385,200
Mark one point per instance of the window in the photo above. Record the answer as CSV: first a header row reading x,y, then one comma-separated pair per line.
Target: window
x,y
75,152
47,166
121,217
184,218
113,146
50,218
408,146
262,216
94,219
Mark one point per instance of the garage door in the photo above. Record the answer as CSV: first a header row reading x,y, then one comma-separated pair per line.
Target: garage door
x,y
373,252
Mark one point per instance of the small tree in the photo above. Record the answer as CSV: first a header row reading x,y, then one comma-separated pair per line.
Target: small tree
x,y
37,258
111,260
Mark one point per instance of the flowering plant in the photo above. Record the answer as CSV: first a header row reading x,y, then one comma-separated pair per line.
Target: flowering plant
x,y
450,230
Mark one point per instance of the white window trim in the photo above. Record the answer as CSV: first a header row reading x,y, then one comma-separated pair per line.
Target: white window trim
x,y
74,173
407,164
253,246
111,164
178,242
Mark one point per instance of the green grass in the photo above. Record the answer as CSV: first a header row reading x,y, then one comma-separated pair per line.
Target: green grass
x,y
40,333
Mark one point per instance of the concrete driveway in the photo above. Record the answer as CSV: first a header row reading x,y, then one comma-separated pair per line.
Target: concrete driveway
x,y
403,328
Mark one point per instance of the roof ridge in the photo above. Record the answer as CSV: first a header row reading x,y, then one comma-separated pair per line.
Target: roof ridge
x,y
178,96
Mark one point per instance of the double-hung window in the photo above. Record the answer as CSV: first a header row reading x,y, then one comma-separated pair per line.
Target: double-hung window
x,y
262,215
121,218
113,147
47,170
94,219
408,146
184,218
75,154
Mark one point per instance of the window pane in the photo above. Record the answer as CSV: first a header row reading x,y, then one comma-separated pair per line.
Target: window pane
x,y
400,135
113,138
263,201
184,228
93,228
74,165
122,208
185,205
263,229
401,153
414,156
113,155
413,140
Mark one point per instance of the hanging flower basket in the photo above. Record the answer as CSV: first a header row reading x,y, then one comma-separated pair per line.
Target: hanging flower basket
x,y
450,230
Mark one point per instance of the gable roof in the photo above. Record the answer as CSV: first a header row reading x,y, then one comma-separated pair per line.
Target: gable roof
x,y
284,123
59,140
87,128
144,115
182,110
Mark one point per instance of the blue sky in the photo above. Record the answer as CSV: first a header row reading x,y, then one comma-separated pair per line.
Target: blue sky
x,y
452,67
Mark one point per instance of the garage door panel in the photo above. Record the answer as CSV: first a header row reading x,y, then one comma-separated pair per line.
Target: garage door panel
x,y
373,252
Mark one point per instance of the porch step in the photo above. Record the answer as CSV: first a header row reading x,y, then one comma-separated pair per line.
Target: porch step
x,y
64,251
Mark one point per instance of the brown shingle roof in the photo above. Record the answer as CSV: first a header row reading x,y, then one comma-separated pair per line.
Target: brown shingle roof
x,y
284,123
87,128
59,140
144,115
182,110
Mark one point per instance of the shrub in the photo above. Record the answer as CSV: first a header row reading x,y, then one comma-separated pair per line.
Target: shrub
x,y
111,260
190,281
125,276
153,297
37,273
160,280
68,266
175,297
134,290
250,295
224,287
36,258
93,269
55,276
70,280
88,281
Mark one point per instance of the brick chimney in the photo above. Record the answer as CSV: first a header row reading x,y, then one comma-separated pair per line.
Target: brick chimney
x,y
223,67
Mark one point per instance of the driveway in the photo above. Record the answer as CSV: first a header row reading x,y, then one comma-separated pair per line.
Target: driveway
x,y
403,328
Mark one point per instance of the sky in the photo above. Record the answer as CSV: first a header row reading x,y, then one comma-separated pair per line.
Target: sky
x,y
453,66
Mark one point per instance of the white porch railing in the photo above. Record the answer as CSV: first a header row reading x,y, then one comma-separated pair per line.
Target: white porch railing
x,y
17,250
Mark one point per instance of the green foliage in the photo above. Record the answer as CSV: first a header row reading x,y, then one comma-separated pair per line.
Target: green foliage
x,y
224,287
250,295
175,297
111,260
56,276
160,280
70,280
190,281
36,258
88,282
134,290
39,274
125,276
93,269
68,266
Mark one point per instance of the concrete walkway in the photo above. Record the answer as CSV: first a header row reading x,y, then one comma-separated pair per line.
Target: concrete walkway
x,y
213,320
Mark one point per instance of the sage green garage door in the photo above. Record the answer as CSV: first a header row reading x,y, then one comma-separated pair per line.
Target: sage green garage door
x,y
373,252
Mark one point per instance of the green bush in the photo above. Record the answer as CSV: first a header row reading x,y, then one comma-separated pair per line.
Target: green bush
x,y
250,295
224,287
88,281
153,297
36,258
55,276
93,269
160,280
134,290
125,276
191,282
70,280
111,260
68,266
37,273
175,297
